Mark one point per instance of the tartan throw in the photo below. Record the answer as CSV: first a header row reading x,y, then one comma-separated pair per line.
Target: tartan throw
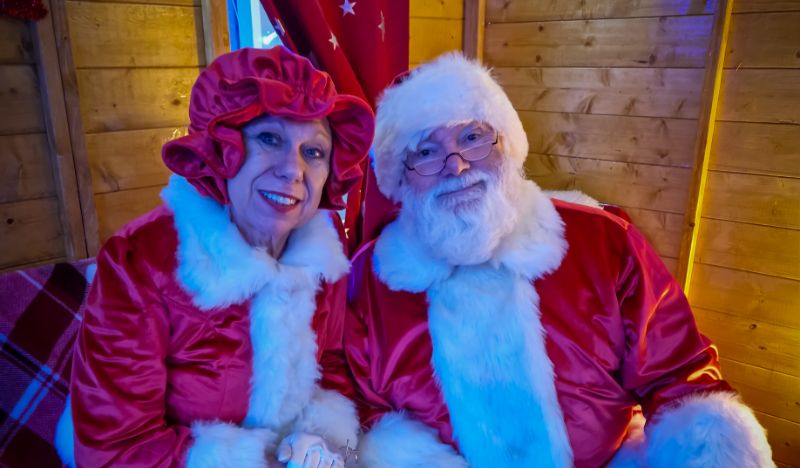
x,y
39,321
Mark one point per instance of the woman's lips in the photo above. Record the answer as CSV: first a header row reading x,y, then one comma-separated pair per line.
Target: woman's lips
x,y
280,202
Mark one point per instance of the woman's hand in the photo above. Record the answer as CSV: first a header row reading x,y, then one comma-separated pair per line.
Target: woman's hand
x,y
301,450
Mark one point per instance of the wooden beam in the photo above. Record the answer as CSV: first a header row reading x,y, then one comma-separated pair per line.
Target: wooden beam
x,y
215,28
60,52
474,27
705,134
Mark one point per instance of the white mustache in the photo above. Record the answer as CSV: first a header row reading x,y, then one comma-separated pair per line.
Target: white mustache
x,y
456,183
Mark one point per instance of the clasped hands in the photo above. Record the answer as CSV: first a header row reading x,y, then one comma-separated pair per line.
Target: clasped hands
x,y
301,450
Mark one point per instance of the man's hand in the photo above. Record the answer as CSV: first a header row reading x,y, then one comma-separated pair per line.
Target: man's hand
x,y
301,450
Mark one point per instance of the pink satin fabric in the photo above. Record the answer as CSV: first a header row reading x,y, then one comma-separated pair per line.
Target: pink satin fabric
x,y
148,363
619,332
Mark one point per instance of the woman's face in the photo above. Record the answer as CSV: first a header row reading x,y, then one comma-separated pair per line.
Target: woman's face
x,y
280,184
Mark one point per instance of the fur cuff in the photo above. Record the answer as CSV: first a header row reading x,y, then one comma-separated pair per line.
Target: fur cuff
x,y
226,445
707,430
332,417
399,442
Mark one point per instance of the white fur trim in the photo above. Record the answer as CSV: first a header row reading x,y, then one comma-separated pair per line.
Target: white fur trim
x,y
707,430
222,445
331,416
630,454
399,442
403,263
65,436
573,196
219,268
446,91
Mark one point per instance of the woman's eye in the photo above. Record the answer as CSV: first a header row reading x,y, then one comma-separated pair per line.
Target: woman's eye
x,y
314,153
269,139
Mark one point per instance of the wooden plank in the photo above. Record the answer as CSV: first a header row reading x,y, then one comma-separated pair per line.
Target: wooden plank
x,y
756,343
152,2
784,438
137,98
25,168
748,295
750,247
216,38
16,46
650,92
474,28
636,42
764,390
129,35
498,11
671,264
761,96
453,9
30,231
72,105
663,230
20,100
777,147
749,6
709,106
612,138
772,201
631,185
130,159
766,40
429,38
115,209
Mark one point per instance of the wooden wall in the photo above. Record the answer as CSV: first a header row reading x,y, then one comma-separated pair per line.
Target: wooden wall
x,y
135,64
609,94
31,229
435,27
746,283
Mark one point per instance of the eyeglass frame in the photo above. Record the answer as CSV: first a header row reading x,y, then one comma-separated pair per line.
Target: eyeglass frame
x,y
460,155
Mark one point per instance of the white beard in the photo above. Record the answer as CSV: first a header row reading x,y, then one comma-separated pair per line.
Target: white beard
x,y
465,235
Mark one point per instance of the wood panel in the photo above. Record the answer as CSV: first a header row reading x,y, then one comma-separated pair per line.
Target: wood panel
x,y
612,138
453,9
25,171
671,263
761,96
111,172
16,46
663,230
769,392
654,92
756,343
637,42
128,99
30,231
784,437
748,295
772,201
130,35
659,188
750,247
429,38
152,2
768,40
115,209
746,6
20,100
757,148
216,37
527,10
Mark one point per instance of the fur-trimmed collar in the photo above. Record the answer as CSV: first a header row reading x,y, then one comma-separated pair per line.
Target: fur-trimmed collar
x,y
534,248
219,268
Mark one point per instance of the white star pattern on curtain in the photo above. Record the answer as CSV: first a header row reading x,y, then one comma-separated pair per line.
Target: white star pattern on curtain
x,y
333,41
348,8
382,27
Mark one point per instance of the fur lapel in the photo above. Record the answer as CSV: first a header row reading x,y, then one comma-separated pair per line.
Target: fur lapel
x,y
502,403
219,268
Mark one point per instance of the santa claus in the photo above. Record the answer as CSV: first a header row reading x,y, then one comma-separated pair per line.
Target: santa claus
x,y
492,326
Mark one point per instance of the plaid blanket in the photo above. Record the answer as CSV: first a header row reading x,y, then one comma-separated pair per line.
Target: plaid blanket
x,y
39,320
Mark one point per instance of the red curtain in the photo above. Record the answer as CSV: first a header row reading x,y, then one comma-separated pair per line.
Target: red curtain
x,y
363,45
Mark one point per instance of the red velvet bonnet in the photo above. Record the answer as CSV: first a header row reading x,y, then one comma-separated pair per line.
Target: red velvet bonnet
x,y
248,83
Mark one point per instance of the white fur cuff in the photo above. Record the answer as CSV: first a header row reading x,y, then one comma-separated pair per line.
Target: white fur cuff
x,y
226,445
707,430
332,417
399,442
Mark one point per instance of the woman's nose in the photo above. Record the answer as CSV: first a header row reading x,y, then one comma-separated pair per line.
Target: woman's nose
x,y
292,165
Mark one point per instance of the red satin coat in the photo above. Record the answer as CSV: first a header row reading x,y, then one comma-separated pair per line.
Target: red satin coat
x,y
619,332
148,362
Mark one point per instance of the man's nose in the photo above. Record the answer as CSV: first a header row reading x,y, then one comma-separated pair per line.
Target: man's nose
x,y
455,165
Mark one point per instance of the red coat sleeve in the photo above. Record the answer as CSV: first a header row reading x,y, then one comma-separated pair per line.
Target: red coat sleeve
x,y
665,357
119,372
